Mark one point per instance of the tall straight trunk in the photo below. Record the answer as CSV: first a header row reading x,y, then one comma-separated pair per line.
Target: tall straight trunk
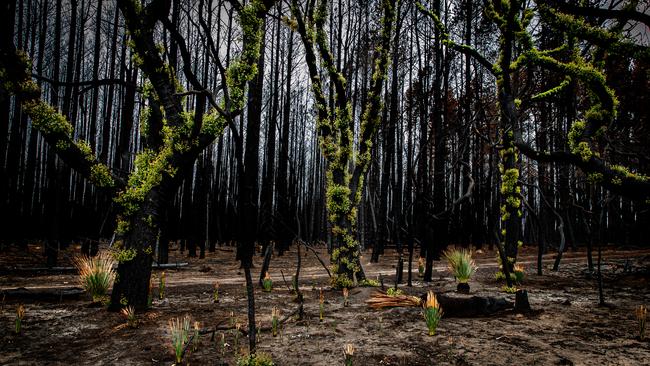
x,y
440,224
95,97
8,11
510,203
384,219
56,55
248,188
466,207
266,210
284,197
69,68
108,121
32,146
397,214
248,182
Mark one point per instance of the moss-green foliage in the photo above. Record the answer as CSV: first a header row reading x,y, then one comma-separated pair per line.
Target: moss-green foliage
x,y
101,176
553,91
509,290
340,280
178,132
46,118
213,123
58,130
124,255
392,292
244,69
369,283
615,43
257,359
336,136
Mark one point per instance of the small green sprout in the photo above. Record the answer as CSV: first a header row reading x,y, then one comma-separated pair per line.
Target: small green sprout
x,y
161,286
348,352
129,315
432,312
275,320
267,283
20,314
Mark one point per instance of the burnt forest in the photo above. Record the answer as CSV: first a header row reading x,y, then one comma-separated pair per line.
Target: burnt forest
x,y
324,182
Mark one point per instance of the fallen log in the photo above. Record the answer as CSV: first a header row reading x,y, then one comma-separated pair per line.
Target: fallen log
x,y
474,306
453,306
42,294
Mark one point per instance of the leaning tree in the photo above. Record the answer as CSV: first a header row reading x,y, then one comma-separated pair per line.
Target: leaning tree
x,y
176,137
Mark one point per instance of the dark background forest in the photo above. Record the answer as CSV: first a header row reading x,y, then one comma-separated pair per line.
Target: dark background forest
x,y
433,178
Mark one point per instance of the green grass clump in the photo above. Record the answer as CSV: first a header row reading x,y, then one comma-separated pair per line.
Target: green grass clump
x,y
179,329
129,315
460,264
96,274
257,359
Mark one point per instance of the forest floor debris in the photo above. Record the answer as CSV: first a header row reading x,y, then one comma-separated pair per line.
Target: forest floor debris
x,y
570,329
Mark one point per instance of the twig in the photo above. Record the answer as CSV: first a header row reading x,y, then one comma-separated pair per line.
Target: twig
x,y
300,241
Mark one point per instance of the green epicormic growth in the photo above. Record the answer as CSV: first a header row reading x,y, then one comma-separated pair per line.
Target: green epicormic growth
x,y
52,125
346,166
178,132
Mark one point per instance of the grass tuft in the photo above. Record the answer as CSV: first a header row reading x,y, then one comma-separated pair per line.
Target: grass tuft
x,y
460,264
96,274
129,314
179,329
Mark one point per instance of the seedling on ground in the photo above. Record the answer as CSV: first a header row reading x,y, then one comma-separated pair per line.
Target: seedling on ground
x,y
20,314
275,320
519,273
421,267
179,329
215,292
150,293
161,286
267,283
237,332
432,312
321,306
641,317
196,338
129,315
96,274
222,344
348,352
